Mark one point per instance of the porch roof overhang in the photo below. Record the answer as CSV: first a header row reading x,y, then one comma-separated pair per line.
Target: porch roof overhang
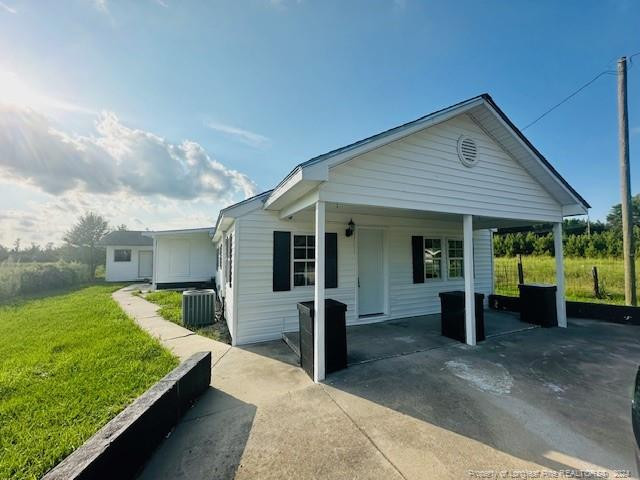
x,y
342,212
297,188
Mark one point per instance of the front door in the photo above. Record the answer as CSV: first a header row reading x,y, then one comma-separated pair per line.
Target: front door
x,y
370,272
145,264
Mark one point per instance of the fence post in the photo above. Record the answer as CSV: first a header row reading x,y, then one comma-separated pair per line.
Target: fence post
x,y
596,285
520,271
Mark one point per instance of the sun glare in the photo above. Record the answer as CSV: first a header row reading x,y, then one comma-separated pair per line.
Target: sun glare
x,y
14,91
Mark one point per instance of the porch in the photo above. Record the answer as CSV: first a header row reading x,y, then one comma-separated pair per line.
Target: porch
x,y
392,264
392,338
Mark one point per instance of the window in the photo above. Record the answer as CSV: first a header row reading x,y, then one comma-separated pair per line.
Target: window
x,y
432,258
304,260
455,258
230,259
122,255
219,257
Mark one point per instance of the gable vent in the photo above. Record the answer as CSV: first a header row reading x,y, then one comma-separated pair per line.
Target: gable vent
x,y
467,151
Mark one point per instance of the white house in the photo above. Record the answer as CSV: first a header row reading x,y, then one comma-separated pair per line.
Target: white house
x,y
129,256
420,200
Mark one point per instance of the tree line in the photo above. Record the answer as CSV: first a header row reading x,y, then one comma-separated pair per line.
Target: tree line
x,y
80,245
581,239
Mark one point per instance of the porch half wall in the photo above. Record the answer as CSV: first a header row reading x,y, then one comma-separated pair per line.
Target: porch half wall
x,y
263,314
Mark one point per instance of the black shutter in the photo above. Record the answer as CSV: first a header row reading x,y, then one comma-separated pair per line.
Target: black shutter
x,y
417,248
331,260
281,261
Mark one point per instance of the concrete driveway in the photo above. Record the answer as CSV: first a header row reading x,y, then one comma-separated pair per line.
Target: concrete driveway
x,y
537,400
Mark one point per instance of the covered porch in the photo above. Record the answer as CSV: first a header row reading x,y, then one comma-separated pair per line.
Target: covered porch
x,y
396,282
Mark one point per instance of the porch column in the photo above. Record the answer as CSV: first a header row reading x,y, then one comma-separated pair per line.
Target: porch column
x,y
469,290
561,306
318,325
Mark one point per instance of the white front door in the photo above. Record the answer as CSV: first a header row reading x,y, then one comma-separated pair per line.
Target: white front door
x,y
145,264
370,272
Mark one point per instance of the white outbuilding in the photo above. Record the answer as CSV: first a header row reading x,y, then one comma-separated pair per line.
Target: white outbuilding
x,y
183,258
129,256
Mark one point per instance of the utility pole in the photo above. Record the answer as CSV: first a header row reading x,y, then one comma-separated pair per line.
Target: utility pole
x,y
625,187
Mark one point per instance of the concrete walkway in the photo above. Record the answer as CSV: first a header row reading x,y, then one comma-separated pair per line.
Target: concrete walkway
x,y
181,341
537,400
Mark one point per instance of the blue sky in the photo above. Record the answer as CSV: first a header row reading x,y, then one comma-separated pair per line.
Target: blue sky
x,y
132,94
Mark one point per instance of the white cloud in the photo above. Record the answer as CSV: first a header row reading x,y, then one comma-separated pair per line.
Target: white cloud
x,y
101,5
7,8
128,175
245,136
115,159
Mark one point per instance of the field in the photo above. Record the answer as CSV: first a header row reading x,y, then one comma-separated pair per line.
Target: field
x,y
171,309
578,277
70,362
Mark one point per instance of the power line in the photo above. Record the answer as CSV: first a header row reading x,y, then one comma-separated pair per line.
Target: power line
x,y
566,99
606,72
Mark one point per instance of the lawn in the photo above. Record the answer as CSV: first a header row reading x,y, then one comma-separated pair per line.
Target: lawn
x,y
578,277
70,362
170,303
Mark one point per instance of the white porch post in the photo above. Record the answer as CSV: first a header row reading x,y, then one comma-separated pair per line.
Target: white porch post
x,y
469,290
561,306
318,325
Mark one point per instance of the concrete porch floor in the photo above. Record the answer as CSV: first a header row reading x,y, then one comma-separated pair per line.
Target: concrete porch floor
x,y
375,341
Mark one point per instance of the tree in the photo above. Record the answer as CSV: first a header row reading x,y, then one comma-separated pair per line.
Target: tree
x,y
86,233
614,218
122,228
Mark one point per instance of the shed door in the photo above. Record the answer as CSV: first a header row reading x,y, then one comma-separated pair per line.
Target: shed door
x,y
370,272
145,264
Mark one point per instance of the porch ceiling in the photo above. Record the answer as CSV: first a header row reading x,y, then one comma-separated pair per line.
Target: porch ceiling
x,y
348,210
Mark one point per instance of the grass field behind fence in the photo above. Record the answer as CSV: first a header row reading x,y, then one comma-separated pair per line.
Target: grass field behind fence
x,y
70,362
578,277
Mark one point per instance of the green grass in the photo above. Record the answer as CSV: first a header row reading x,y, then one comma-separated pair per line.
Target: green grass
x,y
578,277
170,309
170,304
70,363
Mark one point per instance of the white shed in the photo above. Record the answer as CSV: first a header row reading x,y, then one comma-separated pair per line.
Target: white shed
x,y
385,224
129,256
183,258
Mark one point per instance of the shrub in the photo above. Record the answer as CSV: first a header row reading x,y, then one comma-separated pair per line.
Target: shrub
x,y
24,278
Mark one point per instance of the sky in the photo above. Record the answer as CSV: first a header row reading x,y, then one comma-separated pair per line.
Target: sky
x,y
158,113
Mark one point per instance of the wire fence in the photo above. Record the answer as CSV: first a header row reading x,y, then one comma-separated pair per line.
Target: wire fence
x,y
579,277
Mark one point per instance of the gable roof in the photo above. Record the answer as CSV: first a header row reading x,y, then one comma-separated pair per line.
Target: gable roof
x,y
126,238
483,110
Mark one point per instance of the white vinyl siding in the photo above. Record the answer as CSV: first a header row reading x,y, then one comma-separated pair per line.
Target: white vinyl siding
x,y
184,258
124,271
423,172
264,314
229,293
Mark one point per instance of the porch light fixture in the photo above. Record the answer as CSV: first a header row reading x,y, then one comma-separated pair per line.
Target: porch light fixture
x,y
350,228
